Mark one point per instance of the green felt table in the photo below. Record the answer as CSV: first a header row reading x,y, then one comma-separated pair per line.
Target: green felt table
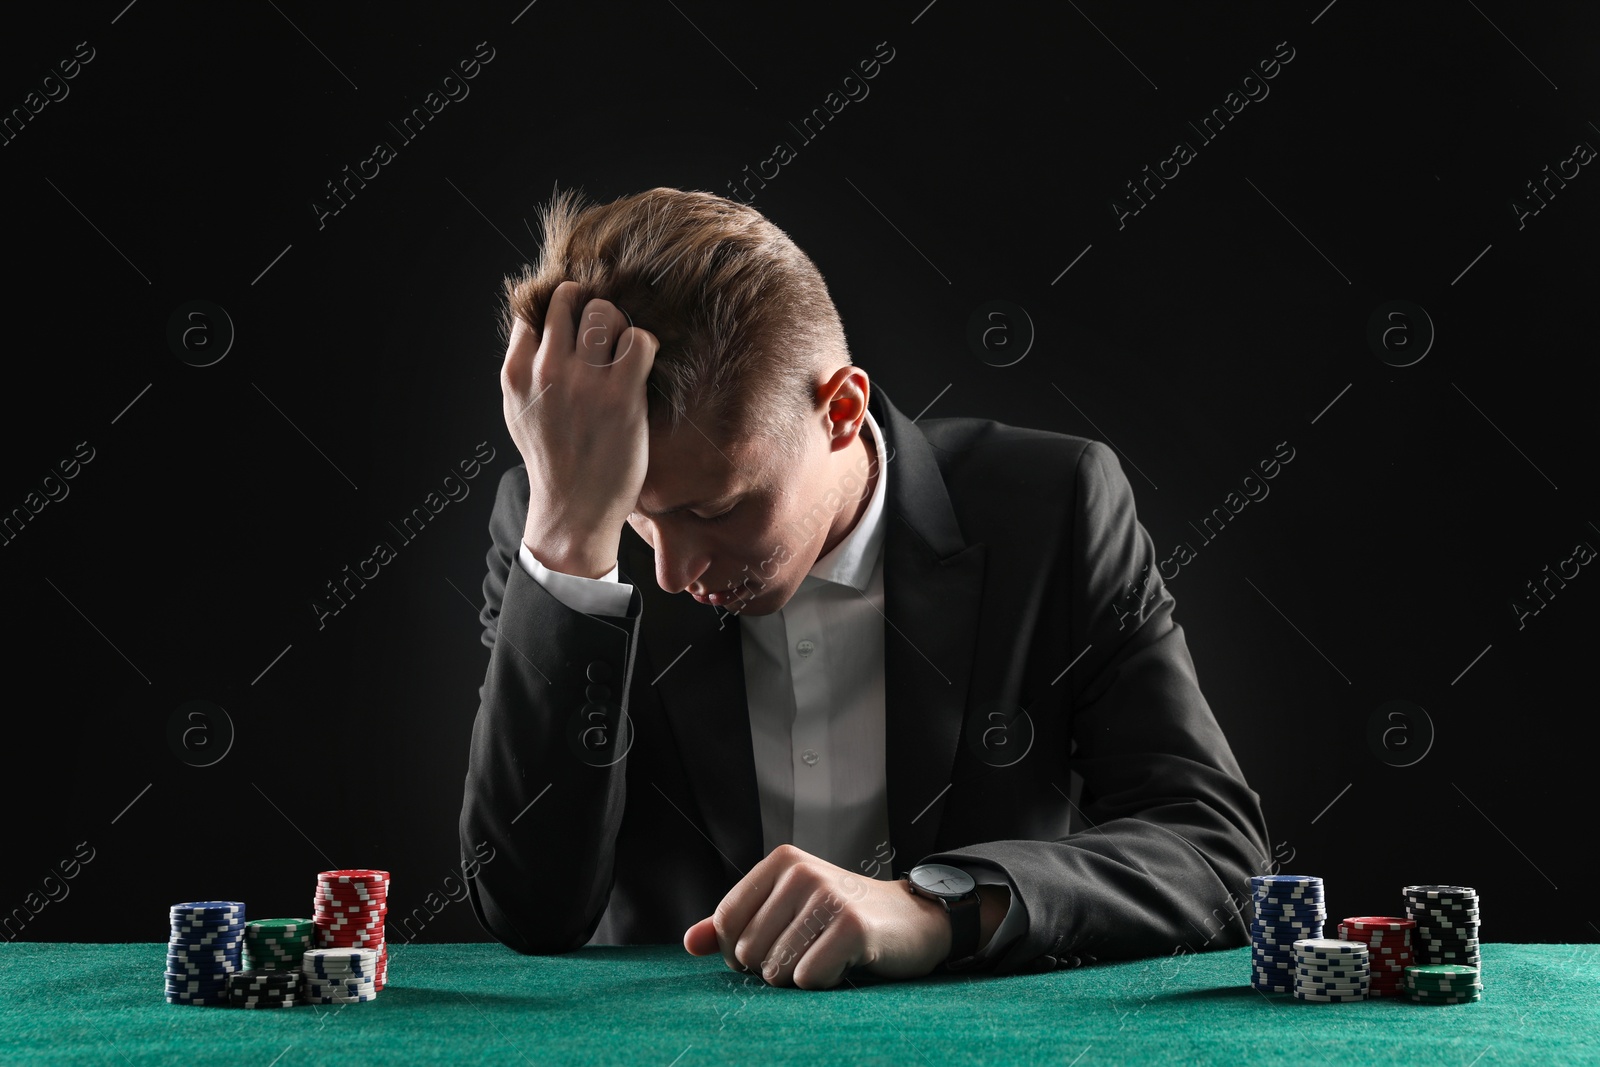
x,y
465,1004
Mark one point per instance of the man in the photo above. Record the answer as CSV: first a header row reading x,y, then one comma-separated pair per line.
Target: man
x,y
841,728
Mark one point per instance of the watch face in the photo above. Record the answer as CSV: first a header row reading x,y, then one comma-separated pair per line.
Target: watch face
x,y
942,880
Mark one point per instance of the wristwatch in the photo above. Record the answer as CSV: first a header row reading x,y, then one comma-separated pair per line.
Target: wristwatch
x,y
958,892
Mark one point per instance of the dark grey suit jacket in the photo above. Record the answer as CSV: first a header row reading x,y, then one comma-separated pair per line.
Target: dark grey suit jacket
x,y
1016,576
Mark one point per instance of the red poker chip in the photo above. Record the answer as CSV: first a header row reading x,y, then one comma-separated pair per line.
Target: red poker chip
x,y
352,888
354,902
332,915
1380,936
360,874
351,935
1379,922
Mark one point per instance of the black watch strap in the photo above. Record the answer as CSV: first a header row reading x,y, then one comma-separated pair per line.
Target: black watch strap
x,y
964,927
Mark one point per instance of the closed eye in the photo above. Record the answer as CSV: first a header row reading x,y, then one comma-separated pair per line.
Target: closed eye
x,y
718,518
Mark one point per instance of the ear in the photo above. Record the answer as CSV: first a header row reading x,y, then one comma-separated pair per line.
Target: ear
x,y
844,395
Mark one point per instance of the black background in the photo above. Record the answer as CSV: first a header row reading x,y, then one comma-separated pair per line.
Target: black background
x,y
1229,315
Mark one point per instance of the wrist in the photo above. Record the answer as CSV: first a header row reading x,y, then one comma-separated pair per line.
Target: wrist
x,y
569,556
936,919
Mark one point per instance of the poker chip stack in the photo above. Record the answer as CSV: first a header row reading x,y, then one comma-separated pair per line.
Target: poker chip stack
x,y
1288,908
1447,923
1443,983
339,975
350,910
1330,970
1388,941
277,944
263,989
203,950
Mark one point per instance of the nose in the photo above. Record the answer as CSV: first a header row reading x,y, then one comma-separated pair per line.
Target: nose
x,y
680,565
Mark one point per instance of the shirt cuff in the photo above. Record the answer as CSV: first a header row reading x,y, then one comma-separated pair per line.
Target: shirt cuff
x,y
606,595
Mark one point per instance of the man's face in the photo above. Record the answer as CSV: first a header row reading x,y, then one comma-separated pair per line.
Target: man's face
x,y
760,520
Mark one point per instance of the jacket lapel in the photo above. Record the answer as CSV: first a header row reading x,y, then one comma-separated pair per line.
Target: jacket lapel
x,y
933,584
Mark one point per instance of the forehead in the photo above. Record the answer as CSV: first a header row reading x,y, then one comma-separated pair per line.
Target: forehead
x,y
687,467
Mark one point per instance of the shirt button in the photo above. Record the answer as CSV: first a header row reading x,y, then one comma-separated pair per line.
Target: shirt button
x,y
810,756
805,648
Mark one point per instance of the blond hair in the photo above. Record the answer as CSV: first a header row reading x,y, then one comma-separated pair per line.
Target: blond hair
x,y
744,318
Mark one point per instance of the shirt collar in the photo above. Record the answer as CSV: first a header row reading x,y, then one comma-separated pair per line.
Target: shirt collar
x,y
852,560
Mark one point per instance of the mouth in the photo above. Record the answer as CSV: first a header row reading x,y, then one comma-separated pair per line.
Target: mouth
x,y
724,599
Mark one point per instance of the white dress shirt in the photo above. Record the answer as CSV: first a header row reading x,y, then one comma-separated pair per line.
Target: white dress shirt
x,y
814,684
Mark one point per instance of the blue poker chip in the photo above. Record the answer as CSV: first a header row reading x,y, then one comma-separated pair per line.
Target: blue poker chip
x,y
200,945
1279,942
204,963
190,933
193,915
193,928
1285,931
1276,963
196,943
1263,902
228,962
1267,952
1290,915
1333,972
1274,952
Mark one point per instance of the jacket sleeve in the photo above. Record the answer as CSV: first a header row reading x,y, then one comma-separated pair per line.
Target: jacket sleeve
x,y
545,784
1172,832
